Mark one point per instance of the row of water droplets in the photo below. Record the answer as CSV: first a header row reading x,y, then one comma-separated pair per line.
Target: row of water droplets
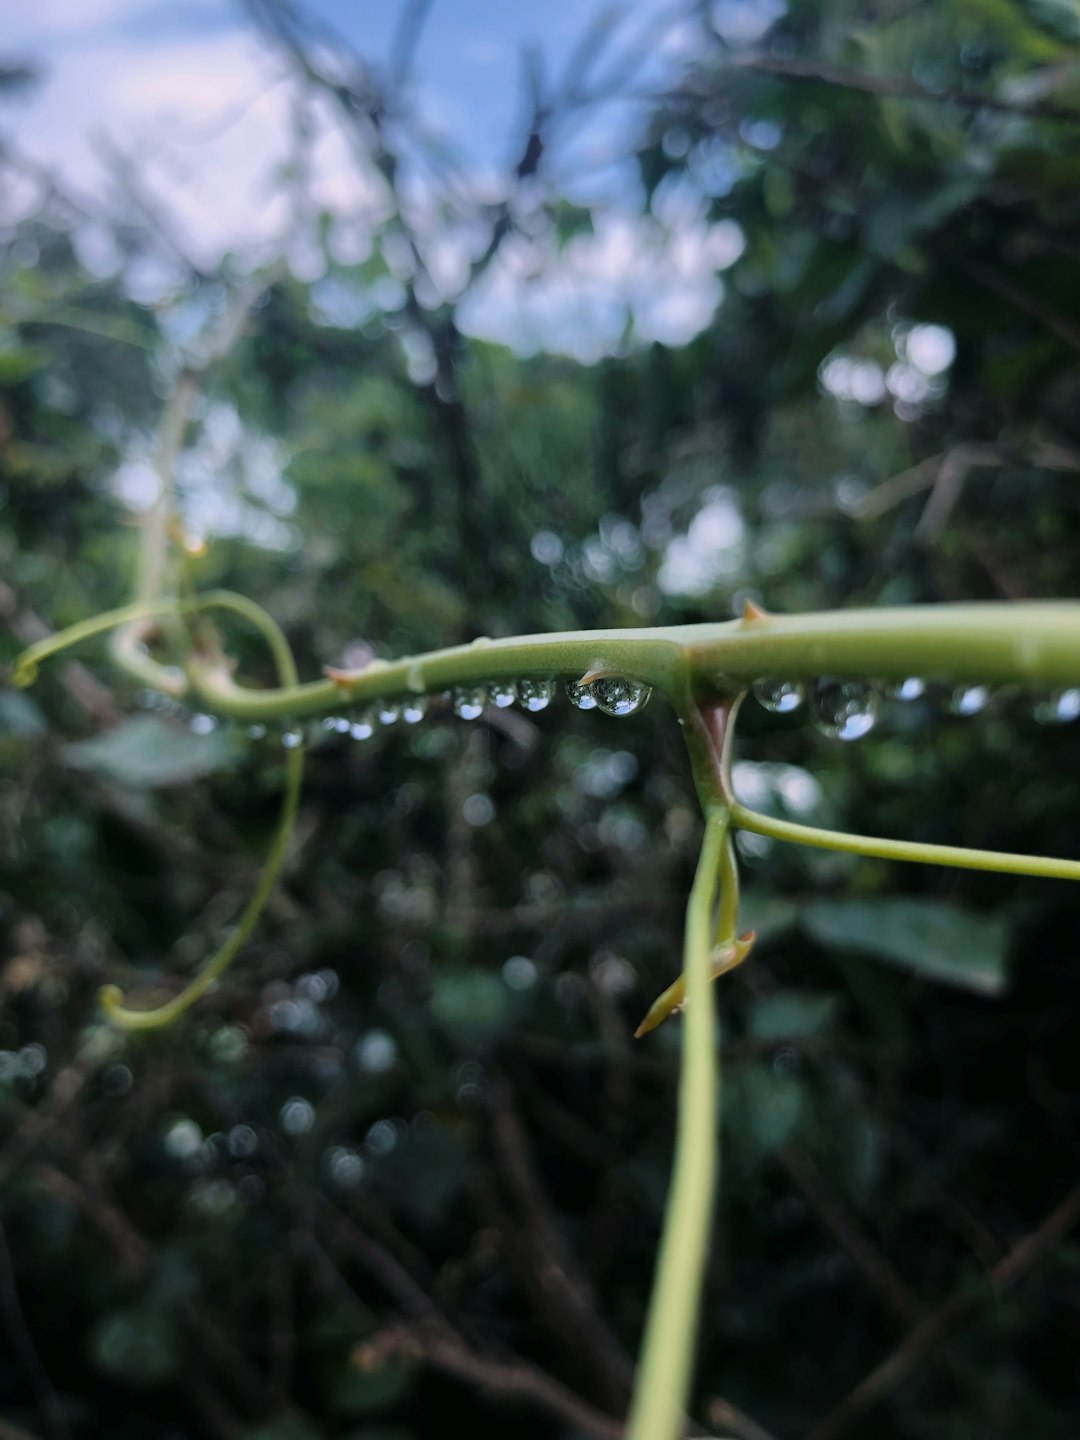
x,y
849,709
612,694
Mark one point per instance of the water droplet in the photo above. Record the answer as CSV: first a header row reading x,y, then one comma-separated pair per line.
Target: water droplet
x,y
414,709
341,724
330,722
362,728
583,696
779,696
469,702
913,688
256,732
1059,708
292,738
388,712
617,696
502,693
843,709
536,694
202,724
968,700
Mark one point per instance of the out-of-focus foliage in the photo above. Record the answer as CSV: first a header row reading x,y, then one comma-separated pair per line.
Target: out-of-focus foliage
x,y
404,1170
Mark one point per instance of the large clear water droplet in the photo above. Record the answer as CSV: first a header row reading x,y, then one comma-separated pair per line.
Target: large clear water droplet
x,y
779,696
913,688
1059,708
968,699
363,727
502,693
202,724
536,694
843,709
414,709
388,712
582,696
292,738
618,696
469,701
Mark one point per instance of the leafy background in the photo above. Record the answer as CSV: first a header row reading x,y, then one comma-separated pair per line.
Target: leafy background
x,y
404,1171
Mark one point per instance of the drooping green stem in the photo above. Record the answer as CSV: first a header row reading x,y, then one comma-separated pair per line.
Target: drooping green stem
x,y
112,999
663,1378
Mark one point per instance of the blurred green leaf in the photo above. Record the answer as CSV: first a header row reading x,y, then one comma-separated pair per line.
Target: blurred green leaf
x,y
930,938
473,1005
765,1107
147,753
138,1345
792,1014
19,715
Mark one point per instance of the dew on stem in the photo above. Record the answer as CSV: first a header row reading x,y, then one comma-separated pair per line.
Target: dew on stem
x,y
583,697
780,697
414,709
536,695
843,709
1059,708
618,696
502,693
469,702
913,688
967,700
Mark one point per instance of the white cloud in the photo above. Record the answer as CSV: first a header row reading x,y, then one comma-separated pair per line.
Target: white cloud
x,y
209,125
664,280
208,121
29,25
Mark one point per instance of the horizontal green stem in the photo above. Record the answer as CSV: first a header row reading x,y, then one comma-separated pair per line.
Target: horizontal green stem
x,y
1016,643
958,856
1037,644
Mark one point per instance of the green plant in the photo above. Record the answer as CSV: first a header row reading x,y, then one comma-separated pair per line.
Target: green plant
x,y
704,671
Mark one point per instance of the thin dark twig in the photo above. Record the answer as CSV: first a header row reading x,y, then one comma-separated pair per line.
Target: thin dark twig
x,y
924,1338
52,1412
8,1431
1064,328
894,87
37,1122
433,1339
561,1290
407,38
875,1269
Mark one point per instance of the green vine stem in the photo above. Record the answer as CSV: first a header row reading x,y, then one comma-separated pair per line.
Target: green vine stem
x,y
24,673
663,1377
1013,643
958,856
